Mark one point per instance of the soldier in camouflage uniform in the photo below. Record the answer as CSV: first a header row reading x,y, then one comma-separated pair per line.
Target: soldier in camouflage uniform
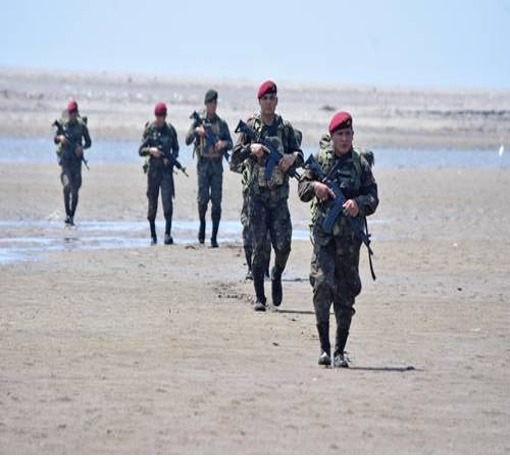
x,y
160,138
72,141
209,164
247,237
334,272
268,211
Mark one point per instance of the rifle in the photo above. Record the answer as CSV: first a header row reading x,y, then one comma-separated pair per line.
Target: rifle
x,y
154,141
274,156
72,143
211,138
358,224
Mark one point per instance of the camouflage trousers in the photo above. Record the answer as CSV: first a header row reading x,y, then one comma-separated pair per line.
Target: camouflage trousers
x,y
247,234
270,224
334,277
70,177
158,178
210,184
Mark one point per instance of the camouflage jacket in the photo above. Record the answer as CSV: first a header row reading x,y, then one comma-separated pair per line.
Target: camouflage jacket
x,y
165,137
78,133
220,129
355,178
284,137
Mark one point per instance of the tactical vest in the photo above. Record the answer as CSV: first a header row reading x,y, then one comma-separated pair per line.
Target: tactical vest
x,y
166,137
348,177
75,133
199,145
276,134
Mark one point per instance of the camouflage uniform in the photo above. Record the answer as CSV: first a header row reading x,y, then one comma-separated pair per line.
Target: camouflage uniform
x,y
334,273
70,176
268,211
159,175
247,237
209,170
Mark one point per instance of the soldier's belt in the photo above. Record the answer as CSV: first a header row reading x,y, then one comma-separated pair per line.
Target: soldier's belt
x,y
211,155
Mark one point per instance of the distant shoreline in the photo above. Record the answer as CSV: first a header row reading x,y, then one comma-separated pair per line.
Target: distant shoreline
x,y
119,104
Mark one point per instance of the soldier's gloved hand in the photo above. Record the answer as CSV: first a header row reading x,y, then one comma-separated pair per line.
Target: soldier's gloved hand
x,y
286,162
258,150
63,140
351,207
155,152
79,151
200,131
323,192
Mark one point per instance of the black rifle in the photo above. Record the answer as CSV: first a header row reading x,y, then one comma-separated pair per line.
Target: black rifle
x,y
72,143
358,224
274,156
211,138
154,140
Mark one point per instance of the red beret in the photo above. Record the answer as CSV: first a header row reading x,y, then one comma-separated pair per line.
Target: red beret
x,y
265,88
72,106
341,119
160,109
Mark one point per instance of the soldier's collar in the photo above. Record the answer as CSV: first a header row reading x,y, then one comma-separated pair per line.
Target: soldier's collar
x,y
344,157
276,120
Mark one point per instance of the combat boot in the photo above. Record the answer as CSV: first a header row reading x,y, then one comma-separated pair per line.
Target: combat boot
x,y
201,229
258,282
168,238
69,220
276,286
339,359
247,256
154,237
215,227
325,356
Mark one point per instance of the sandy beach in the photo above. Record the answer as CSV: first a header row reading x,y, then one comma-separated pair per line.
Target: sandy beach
x,y
156,349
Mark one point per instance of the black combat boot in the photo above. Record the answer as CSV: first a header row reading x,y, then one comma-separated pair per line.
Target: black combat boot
x,y
74,205
214,236
341,340
325,356
201,229
168,228
276,286
258,282
201,232
154,237
67,206
248,255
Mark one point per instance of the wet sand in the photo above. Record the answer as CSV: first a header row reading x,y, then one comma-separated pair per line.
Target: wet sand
x,y
157,349
118,105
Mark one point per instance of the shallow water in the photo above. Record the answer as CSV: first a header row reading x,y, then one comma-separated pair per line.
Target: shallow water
x,y
27,240
42,150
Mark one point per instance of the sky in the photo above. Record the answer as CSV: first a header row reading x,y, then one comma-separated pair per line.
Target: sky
x,y
420,43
